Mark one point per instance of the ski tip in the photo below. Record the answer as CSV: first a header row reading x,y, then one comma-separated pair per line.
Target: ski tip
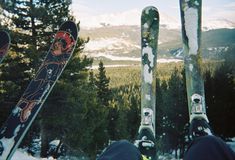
x,y
190,3
148,8
71,27
150,13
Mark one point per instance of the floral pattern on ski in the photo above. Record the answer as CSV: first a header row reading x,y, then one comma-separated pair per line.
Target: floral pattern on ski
x,y
59,53
26,110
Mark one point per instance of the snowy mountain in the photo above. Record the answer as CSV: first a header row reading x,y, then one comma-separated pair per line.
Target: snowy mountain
x,y
122,43
116,36
217,23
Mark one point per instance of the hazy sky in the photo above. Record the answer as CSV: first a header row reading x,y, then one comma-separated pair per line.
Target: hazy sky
x,y
216,9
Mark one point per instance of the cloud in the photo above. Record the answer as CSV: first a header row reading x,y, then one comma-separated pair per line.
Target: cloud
x,y
175,7
130,17
89,18
225,12
230,5
80,10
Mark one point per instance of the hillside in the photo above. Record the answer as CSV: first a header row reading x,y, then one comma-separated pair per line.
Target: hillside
x,y
122,43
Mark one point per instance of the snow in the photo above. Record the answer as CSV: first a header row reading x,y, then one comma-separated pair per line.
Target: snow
x,y
7,147
125,58
216,23
232,144
208,131
108,44
22,155
113,58
8,143
128,65
111,66
148,97
146,25
55,142
191,24
148,50
163,60
191,67
148,75
196,2
16,110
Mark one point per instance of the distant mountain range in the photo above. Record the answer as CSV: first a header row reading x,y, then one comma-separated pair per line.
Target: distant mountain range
x,y
122,43
116,37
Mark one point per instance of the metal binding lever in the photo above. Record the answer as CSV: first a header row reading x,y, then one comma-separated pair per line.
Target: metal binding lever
x,y
197,104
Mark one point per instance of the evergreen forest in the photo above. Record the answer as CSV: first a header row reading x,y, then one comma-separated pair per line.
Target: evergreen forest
x,y
88,109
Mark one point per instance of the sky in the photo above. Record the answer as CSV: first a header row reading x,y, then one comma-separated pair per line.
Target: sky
x,y
88,11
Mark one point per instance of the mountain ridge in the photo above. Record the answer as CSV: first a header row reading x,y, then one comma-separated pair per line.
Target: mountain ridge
x,y
123,41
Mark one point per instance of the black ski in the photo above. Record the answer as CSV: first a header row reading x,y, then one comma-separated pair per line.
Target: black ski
x,y
149,43
22,116
191,35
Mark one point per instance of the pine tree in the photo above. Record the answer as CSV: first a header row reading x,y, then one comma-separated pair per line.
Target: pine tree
x,y
159,107
91,78
102,85
112,120
175,113
133,114
32,23
220,100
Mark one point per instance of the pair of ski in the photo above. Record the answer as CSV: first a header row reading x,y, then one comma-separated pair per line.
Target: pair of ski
x,y
26,110
191,34
60,52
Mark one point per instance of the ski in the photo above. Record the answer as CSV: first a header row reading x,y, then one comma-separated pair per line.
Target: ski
x,y
149,44
191,36
4,44
22,116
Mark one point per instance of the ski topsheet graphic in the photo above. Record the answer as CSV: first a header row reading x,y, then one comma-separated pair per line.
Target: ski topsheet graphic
x,y
191,35
149,43
37,91
4,44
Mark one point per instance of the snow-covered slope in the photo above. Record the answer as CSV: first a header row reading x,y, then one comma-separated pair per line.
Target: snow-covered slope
x,y
121,41
217,23
110,44
117,36
22,155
